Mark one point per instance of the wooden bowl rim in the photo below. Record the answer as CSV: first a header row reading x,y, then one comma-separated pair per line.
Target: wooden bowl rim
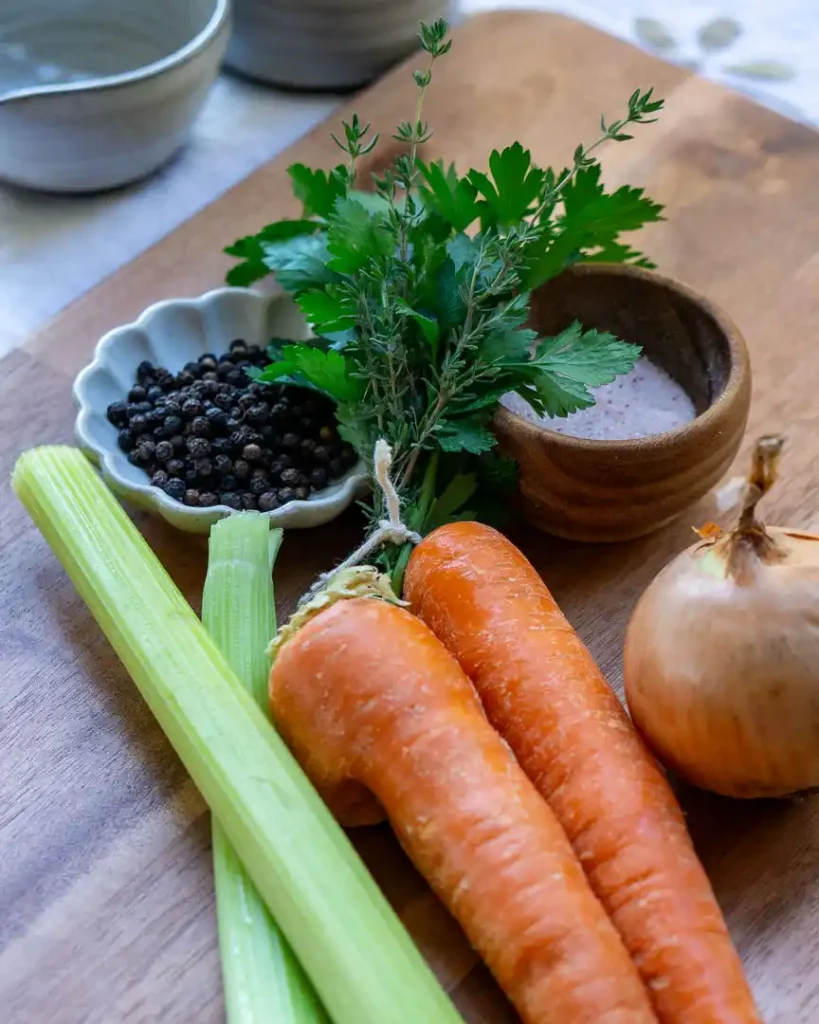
x,y
736,390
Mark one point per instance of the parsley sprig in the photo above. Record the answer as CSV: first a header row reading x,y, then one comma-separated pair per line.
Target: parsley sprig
x,y
418,293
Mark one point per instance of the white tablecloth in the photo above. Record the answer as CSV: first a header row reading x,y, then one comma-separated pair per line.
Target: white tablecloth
x,y
52,249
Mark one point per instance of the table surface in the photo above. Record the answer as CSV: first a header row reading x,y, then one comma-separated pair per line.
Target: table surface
x,y
766,48
106,882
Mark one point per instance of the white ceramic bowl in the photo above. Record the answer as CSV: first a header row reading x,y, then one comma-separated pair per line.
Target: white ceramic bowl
x,y
98,93
326,44
171,334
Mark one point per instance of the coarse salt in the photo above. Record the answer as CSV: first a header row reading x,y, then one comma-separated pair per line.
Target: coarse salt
x,y
642,402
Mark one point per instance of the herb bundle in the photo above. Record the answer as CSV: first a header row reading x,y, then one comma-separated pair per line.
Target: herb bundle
x,y
419,292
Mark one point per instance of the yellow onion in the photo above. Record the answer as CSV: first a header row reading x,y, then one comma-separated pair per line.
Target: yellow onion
x,y
722,654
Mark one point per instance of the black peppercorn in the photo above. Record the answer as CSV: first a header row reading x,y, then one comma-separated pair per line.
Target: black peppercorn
x,y
259,485
236,378
249,502
117,413
224,368
199,447
268,435
178,443
202,467
257,414
291,441
321,455
236,344
228,482
302,493
146,449
194,369
145,369
251,453
172,425
290,477
245,402
191,496
208,498
125,439
280,412
307,447
190,476
175,467
175,488
210,375
318,478
268,501
286,494
207,361
155,393
336,467
241,469
139,423
164,451
224,400
216,417
348,455
185,379
134,458
231,499
160,478
191,408
200,426
220,446
223,464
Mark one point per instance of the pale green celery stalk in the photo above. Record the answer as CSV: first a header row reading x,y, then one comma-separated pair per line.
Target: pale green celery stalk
x,y
262,979
356,952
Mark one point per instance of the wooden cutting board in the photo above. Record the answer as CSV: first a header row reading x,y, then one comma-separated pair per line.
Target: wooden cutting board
x,y
105,877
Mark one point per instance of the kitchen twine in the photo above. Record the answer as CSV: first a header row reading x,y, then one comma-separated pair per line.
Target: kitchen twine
x,y
389,531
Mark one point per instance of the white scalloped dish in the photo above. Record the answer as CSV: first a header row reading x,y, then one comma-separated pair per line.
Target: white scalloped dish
x,y
171,334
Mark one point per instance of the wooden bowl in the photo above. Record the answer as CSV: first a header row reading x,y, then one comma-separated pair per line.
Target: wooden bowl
x,y
592,490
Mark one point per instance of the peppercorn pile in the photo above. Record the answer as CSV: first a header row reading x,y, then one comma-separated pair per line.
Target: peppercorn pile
x,y
209,435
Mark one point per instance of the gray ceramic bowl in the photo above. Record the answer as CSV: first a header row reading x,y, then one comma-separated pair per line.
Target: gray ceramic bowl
x,y
326,44
171,334
98,93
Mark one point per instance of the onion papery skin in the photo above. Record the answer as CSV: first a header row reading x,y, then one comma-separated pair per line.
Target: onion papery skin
x,y
722,668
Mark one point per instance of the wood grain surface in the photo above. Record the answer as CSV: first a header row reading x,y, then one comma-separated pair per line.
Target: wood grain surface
x,y
105,877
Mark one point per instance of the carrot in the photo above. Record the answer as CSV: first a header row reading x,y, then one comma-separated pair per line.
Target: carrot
x,y
545,695
384,721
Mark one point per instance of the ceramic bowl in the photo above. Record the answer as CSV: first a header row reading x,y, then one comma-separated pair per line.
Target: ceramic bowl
x,y
316,44
171,334
591,490
98,93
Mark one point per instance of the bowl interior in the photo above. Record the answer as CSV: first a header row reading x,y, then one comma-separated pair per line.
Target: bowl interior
x,y
53,42
676,332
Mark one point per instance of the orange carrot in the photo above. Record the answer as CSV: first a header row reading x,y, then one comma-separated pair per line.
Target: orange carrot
x,y
381,717
545,695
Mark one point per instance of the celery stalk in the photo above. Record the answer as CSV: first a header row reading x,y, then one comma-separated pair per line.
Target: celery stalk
x,y
262,979
356,952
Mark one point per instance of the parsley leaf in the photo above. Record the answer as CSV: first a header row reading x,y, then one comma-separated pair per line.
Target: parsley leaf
x,y
299,263
467,435
514,187
452,198
590,225
318,190
327,311
356,235
566,366
326,370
